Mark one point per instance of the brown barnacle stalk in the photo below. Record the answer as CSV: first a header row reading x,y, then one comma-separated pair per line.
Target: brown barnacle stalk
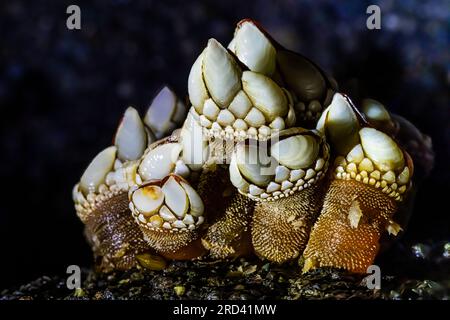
x,y
285,179
228,235
101,197
370,179
308,87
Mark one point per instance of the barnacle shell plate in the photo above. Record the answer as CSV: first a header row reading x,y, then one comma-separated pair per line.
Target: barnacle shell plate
x,y
170,204
264,177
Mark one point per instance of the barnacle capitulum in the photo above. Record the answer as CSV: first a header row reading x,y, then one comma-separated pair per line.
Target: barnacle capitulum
x,y
290,161
101,196
113,170
368,185
164,193
378,116
168,211
184,152
101,199
158,162
131,136
417,144
196,145
253,48
306,85
165,114
231,103
285,178
340,123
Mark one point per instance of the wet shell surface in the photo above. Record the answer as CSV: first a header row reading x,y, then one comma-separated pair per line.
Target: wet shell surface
x,y
307,87
231,103
168,211
296,162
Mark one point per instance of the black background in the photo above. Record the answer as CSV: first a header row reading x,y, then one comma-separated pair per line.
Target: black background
x,y
62,93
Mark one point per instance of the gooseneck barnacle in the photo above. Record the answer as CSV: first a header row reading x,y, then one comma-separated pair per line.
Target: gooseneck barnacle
x,y
269,159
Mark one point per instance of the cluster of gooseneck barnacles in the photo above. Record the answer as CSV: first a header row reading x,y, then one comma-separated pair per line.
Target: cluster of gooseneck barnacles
x,y
270,159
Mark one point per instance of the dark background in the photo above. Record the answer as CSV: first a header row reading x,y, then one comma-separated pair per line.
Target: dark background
x,y
62,93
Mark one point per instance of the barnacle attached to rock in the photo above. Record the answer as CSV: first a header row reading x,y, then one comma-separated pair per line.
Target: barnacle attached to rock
x,y
285,178
165,205
101,196
101,202
369,183
242,176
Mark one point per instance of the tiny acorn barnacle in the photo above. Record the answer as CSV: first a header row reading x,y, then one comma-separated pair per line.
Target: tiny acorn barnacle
x,y
244,171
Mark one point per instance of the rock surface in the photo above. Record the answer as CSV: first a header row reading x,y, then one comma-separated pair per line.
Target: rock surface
x,y
250,279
